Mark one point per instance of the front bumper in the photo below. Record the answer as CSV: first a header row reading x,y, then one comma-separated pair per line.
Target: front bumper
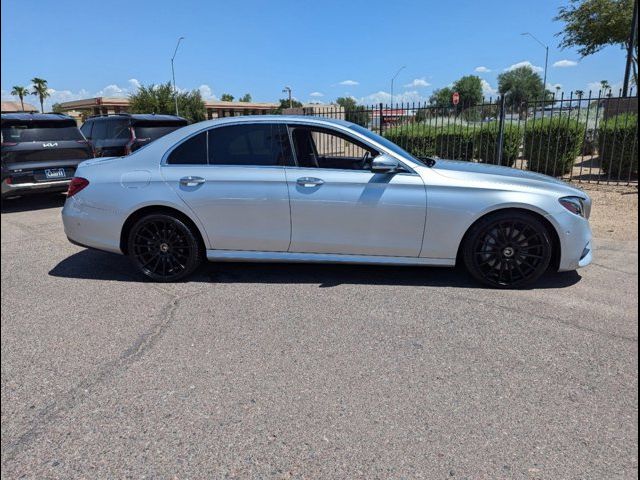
x,y
576,242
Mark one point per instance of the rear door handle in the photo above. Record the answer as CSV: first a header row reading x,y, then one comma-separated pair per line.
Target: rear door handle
x,y
191,181
309,182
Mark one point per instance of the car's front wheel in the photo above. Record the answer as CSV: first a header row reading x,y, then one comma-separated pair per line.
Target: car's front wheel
x,y
164,248
507,250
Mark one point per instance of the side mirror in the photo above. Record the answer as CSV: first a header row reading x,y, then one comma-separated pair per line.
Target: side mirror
x,y
384,164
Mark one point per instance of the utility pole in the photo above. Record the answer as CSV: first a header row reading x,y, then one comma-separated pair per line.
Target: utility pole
x,y
546,57
632,41
173,74
288,90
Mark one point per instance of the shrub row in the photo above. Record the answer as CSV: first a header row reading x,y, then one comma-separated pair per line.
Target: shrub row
x,y
617,145
550,145
458,142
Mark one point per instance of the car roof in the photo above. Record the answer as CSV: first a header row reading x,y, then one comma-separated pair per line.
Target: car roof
x,y
140,117
36,117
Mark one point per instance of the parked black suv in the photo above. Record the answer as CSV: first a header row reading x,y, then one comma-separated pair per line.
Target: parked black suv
x,y
120,134
40,152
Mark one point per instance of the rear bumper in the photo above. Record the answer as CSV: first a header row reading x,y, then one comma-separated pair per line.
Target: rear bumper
x,y
91,227
10,189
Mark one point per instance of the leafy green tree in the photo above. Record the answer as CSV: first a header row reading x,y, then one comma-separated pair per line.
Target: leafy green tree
x,y
441,97
469,88
353,112
520,85
284,103
227,97
591,25
56,108
41,90
20,92
245,98
160,99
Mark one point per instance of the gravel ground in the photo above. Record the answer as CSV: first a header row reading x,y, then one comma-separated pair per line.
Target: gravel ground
x,y
311,371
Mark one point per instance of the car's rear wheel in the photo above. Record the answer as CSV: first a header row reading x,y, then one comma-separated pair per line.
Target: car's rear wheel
x,y
507,250
164,248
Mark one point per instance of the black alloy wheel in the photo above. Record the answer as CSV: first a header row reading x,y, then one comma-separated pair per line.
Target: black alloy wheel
x,y
510,249
164,248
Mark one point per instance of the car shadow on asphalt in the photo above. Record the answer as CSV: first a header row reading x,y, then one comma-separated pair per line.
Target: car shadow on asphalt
x,y
96,265
27,203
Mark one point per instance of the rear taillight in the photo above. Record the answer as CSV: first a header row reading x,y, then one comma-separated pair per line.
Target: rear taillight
x,y
77,184
9,144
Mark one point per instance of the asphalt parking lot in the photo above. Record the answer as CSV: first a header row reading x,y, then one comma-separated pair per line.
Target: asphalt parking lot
x,y
298,371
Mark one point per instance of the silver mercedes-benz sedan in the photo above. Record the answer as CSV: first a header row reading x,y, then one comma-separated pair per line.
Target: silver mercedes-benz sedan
x,y
304,189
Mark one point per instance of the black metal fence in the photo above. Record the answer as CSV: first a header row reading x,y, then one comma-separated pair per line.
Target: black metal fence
x,y
580,137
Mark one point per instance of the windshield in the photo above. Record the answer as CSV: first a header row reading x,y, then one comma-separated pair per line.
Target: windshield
x,y
386,143
28,133
153,132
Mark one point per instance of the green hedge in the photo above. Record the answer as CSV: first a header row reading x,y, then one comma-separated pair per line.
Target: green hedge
x,y
419,140
616,145
458,142
486,144
551,145
454,143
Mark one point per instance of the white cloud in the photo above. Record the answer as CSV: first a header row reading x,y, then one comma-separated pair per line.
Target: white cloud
x,y
482,69
565,63
112,90
207,92
385,97
595,87
349,82
525,63
134,83
487,89
316,94
418,82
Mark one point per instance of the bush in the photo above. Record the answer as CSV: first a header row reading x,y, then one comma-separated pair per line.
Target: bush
x,y
551,145
454,142
418,140
616,139
486,144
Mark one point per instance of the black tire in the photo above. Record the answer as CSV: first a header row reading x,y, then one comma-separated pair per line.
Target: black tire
x,y
507,250
164,248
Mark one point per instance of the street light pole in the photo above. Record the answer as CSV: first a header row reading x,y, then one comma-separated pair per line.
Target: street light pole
x,y
288,90
173,74
546,56
394,77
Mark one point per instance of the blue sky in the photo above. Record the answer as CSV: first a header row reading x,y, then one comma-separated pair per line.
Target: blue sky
x,y
322,49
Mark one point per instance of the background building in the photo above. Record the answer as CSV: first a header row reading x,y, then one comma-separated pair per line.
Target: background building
x,y
13,107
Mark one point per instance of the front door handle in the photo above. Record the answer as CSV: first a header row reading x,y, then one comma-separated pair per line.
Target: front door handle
x,y
191,181
309,182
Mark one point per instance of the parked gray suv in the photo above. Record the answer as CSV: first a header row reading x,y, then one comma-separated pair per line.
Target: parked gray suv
x,y
119,134
40,152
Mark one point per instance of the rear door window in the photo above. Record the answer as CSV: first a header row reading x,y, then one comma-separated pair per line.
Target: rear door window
x,y
260,144
99,130
118,129
192,151
86,129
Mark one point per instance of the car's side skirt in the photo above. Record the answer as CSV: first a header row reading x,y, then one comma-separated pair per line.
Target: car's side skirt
x,y
255,256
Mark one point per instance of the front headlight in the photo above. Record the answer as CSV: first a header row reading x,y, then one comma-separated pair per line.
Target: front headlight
x,y
575,205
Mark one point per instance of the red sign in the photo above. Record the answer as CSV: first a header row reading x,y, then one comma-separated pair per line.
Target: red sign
x,y
455,98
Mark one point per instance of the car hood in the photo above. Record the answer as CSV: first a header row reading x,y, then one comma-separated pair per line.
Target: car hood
x,y
502,176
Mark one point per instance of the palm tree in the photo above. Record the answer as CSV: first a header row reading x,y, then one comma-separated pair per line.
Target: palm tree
x,y
20,92
604,86
40,89
579,94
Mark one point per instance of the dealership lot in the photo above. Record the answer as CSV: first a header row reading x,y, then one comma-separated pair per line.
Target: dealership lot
x,y
310,371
